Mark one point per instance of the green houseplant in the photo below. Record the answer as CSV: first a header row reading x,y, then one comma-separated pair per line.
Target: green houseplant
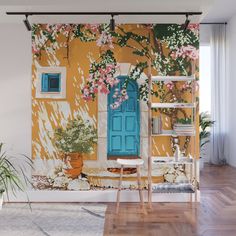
x,y
12,175
76,139
205,123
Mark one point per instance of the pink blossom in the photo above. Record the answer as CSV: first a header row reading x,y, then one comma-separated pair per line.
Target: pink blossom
x,y
49,28
85,91
170,85
194,28
185,86
104,90
95,90
100,81
186,51
90,78
105,39
87,98
34,48
93,27
109,68
116,81
58,27
123,96
191,52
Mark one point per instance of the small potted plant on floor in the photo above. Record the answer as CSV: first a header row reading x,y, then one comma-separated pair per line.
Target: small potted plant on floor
x,y
205,123
12,174
77,138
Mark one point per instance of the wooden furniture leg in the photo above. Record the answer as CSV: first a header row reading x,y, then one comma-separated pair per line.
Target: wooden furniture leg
x,y
140,188
119,189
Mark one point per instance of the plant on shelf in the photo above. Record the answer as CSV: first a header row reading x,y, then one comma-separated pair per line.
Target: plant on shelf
x,y
184,120
12,173
76,139
205,123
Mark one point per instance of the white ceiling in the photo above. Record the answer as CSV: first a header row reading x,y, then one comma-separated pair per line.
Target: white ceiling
x,y
213,10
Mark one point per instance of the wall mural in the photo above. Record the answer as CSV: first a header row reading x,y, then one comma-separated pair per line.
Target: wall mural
x,y
84,73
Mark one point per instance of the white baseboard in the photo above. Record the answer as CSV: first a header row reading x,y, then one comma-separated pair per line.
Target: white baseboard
x,y
99,196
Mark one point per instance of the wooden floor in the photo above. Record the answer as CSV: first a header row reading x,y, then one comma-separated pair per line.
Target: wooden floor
x,y
214,216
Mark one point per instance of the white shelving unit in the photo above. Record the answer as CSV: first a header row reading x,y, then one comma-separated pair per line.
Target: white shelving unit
x,y
191,187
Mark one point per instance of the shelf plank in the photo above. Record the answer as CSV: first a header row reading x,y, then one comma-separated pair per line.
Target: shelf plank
x,y
172,78
173,133
171,160
173,105
165,133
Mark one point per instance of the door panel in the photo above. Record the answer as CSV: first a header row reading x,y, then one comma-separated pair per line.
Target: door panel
x,y
123,123
116,143
130,123
117,123
130,143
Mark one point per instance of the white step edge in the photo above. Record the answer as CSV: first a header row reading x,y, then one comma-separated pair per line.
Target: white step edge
x,y
96,196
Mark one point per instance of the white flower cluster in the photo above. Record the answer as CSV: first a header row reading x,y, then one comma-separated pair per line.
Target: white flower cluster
x,y
120,97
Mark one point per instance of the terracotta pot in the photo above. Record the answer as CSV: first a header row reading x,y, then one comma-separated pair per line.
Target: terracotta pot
x,y
74,161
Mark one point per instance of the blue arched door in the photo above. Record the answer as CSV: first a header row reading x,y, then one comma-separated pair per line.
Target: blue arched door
x,y
124,123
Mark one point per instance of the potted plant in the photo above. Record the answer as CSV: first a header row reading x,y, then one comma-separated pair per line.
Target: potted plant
x,y
205,123
12,175
76,139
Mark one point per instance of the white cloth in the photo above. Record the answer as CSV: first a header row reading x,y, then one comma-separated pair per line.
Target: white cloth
x,y
219,95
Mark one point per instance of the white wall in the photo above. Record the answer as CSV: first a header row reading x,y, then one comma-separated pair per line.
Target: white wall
x,y
231,64
15,87
205,34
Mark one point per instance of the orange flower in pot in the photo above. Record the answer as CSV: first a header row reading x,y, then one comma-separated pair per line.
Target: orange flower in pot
x,y
78,138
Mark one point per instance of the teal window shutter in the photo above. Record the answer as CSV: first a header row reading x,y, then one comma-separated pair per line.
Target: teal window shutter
x,y
44,83
51,82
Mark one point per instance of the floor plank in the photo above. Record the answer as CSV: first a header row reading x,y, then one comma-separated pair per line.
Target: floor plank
x,y
214,216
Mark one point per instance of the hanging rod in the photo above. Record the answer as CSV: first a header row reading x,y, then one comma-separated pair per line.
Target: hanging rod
x,y
103,13
213,23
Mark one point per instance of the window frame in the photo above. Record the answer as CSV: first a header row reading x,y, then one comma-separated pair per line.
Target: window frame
x,y
46,92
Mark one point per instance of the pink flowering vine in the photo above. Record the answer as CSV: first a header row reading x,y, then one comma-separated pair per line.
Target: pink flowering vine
x,y
105,39
186,51
101,80
94,28
194,28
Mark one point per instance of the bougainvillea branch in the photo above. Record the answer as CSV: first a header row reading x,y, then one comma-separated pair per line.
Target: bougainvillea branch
x,y
101,76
